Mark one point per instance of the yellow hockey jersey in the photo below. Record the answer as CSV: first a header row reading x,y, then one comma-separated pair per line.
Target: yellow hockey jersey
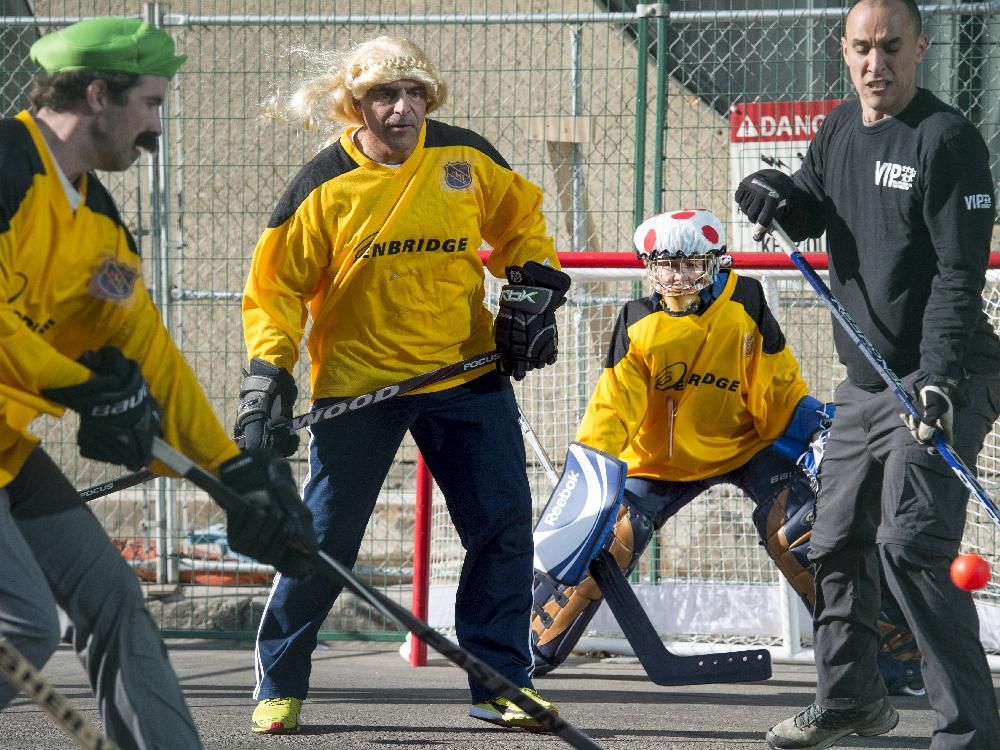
x,y
384,260
71,281
686,398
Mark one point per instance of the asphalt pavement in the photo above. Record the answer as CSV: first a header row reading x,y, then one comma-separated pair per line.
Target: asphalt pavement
x,y
365,696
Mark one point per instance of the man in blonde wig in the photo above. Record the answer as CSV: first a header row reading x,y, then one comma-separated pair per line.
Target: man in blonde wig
x,y
376,240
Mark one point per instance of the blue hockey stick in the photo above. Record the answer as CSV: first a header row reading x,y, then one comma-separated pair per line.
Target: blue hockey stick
x,y
964,474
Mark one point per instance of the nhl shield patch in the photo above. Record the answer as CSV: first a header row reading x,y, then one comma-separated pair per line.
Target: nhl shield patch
x,y
113,280
458,174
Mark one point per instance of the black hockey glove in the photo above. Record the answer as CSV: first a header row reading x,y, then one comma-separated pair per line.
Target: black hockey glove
x,y
763,196
267,395
934,401
525,328
118,416
273,526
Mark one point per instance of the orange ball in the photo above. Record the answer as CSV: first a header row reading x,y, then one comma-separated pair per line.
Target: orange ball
x,y
970,572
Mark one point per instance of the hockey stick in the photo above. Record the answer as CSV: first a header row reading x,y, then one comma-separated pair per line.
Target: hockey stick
x,y
330,411
115,485
536,446
21,673
964,474
390,391
662,665
488,677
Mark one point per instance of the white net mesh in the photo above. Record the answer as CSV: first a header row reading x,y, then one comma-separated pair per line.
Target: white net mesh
x,y
707,557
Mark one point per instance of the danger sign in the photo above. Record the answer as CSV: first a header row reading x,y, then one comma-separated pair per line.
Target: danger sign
x,y
770,135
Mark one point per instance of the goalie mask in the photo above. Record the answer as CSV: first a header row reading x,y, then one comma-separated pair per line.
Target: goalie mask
x,y
681,251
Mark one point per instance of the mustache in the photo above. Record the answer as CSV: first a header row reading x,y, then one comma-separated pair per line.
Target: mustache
x,y
148,142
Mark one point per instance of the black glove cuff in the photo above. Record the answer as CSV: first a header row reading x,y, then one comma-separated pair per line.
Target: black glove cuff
x,y
271,379
944,382
259,383
252,469
533,273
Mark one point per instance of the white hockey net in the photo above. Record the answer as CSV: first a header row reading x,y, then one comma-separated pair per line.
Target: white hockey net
x,y
705,578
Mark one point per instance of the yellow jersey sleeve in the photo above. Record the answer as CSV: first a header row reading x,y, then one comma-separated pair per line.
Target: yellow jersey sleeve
x,y
71,281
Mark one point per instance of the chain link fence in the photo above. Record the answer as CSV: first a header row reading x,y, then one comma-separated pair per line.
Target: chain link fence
x,y
616,109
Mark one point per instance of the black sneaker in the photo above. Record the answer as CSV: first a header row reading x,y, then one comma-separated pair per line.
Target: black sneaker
x,y
817,728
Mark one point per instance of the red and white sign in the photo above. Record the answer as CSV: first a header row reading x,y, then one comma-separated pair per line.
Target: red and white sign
x,y
770,135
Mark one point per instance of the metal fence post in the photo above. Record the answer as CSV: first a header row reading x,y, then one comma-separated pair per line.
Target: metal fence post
x,y
159,234
662,11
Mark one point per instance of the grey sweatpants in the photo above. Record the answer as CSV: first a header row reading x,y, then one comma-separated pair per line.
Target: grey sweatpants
x,y
882,493
67,558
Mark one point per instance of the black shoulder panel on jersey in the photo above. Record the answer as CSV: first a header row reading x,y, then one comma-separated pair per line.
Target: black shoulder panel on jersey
x,y
329,163
440,135
99,201
631,314
19,163
750,294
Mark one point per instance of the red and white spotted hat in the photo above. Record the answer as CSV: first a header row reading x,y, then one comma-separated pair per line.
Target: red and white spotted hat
x,y
676,234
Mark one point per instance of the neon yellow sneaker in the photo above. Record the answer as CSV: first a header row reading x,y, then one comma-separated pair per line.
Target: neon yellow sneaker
x,y
502,712
277,716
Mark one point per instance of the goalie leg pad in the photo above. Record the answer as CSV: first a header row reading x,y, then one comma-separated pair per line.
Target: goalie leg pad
x,y
561,613
580,514
784,523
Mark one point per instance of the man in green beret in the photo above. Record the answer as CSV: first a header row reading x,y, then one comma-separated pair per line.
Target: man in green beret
x,y
79,331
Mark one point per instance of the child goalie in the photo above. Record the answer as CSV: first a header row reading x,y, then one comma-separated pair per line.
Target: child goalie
x,y
699,389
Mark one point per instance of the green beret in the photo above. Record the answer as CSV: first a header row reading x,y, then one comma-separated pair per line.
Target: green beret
x,y
125,45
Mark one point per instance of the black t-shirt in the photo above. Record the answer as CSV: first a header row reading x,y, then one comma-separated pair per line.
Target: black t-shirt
x,y
908,207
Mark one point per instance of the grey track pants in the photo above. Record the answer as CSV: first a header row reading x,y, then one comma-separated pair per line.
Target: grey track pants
x,y
67,558
882,493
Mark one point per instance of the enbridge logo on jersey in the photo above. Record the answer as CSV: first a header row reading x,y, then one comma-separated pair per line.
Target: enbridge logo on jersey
x,y
671,376
32,324
890,174
19,282
978,200
369,249
458,175
113,280
676,377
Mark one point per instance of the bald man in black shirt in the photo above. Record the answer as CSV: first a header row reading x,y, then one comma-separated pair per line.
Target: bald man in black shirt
x,y
900,182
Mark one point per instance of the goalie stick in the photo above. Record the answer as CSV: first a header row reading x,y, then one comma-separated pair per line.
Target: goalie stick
x,y
330,411
954,461
488,677
662,665
21,673
536,446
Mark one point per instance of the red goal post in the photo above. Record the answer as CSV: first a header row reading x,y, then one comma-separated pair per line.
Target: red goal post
x,y
756,261
706,578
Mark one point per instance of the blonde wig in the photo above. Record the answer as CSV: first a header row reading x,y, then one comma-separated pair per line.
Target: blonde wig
x,y
331,97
